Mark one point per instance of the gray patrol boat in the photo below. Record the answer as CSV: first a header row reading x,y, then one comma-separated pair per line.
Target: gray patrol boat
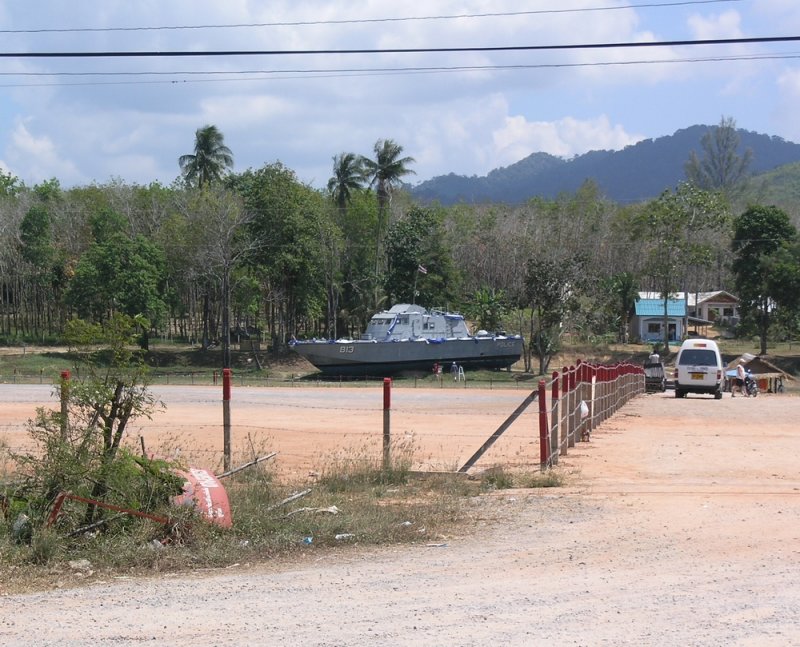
x,y
409,338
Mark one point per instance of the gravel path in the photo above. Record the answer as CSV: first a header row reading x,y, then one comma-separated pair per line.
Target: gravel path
x,y
681,528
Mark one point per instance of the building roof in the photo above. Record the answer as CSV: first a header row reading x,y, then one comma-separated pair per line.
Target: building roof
x,y
758,366
720,296
693,298
655,307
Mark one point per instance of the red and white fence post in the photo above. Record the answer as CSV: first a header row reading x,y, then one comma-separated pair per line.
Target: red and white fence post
x,y
226,419
544,436
387,433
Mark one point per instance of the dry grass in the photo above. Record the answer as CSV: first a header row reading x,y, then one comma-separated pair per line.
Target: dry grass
x,y
352,501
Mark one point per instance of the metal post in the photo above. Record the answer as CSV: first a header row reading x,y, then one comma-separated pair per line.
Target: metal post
x,y
226,418
64,404
387,435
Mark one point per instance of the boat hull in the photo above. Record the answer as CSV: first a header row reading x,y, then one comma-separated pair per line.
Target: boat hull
x,y
386,359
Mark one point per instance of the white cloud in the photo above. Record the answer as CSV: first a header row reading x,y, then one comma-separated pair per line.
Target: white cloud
x,y
467,122
565,138
724,25
35,158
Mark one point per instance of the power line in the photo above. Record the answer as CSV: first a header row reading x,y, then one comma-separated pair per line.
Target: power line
x,y
350,21
402,50
311,73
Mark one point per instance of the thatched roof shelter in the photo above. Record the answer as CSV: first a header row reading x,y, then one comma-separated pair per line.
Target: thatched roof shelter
x,y
768,375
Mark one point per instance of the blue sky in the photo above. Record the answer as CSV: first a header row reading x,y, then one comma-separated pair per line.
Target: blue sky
x,y
57,121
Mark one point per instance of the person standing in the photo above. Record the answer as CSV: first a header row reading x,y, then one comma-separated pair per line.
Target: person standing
x,y
741,375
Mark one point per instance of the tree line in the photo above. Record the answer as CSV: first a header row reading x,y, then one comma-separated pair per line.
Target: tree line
x,y
220,255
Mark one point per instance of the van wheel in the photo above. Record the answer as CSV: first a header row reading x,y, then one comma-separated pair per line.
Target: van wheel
x,y
718,395
679,393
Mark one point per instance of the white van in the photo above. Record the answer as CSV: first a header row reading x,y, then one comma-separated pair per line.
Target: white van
x,y
698,368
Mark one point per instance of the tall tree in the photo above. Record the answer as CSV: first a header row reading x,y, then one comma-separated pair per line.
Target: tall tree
x,y
119,274
624,292
287,217
348,176
721,168
674,227
414,243
210,160
220,215
387,169
552,287
766,266
385,173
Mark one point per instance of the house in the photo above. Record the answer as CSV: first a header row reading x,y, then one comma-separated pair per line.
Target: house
x,y
647,323
702,310
719,307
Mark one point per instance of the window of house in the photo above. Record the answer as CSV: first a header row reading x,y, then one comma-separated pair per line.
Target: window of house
x,y
727,312
653,327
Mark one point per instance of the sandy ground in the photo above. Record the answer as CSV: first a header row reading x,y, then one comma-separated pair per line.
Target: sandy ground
x,y
306,425
680,528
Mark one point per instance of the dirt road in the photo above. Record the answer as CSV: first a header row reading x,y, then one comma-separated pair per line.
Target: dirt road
x,y
681,528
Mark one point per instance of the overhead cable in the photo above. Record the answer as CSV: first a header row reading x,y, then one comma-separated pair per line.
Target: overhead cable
x,y
403,50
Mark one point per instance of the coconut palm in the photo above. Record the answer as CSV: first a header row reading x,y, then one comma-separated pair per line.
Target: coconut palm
x,y
386,170
210,160
348,176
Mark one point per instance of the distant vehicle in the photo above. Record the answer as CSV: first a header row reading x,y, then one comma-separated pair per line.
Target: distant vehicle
x,y
410,339
654,377
698,368
750,385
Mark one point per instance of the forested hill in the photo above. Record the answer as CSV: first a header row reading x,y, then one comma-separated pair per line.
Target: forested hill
x,y
636,173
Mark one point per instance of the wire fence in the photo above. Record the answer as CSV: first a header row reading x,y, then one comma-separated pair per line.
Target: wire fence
x,y
243,379
576,400
447,426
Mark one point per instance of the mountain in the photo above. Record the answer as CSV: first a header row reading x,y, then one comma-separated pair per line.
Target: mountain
x,y
779,187
638,172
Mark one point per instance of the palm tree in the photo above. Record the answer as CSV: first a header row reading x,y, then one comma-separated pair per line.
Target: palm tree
x,y
386,169
210,160
385,172
348,176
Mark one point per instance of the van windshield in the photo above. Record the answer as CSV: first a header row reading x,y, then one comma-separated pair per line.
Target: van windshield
x,y
698,357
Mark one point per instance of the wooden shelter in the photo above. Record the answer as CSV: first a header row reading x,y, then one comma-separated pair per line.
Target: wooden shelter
x,y
770,377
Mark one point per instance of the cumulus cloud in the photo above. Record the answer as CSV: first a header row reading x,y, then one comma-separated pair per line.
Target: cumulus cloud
x,y
36,158
564,138
466,121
